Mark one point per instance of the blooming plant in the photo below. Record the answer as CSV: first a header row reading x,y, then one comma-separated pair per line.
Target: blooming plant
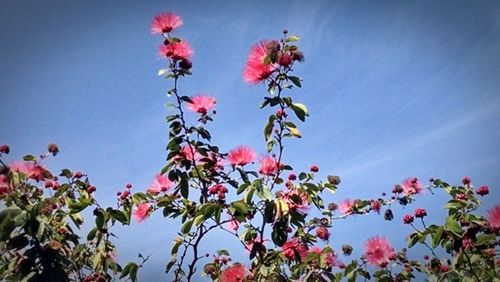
x,y
275,211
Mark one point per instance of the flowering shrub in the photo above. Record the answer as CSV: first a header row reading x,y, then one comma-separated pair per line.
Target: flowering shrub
x,y
275,211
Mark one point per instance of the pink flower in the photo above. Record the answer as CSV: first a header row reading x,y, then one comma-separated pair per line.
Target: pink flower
x,y
378,251
323,233
176,50
295,200
255,70
268,166
188,153
165,22
293,248
235,273
141,211
242,155
494,217
201,104
161,183
346,206
30,169
375,205
412,186
4,185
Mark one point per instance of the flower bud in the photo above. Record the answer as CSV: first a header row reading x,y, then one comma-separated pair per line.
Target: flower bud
x,y
407,219
53,149
483,190
4,149
388,215
314,168
420,213
334,179
347,250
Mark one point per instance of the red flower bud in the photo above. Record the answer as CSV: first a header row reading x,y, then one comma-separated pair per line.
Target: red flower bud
x,y
4,149
407,219
323,233
483,190
314,168
420,213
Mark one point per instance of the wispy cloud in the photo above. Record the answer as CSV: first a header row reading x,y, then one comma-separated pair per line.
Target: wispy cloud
x,y
379,156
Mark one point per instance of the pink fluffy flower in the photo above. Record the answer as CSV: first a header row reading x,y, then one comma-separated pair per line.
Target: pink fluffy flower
x,y
293,248
235,273
412,186
494,217
255,70
242,155
141,211
378,251
176,50
268,166
201,104
161,183
165,22
189,154
30,169
346,206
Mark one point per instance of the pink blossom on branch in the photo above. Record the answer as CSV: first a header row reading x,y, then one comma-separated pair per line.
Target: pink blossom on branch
x,y
256,70
161,183
412,186
141,211
346,206
242,155
268,166
165,22
293,248
201,104
329,256
378,251
235,273
494,217
176,50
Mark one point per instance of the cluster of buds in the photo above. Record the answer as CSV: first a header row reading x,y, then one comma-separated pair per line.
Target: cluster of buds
x,y
483,191
314,168
323,233
408,219
4,149
466,180
222,259
397,189
219,190
125,194
420,213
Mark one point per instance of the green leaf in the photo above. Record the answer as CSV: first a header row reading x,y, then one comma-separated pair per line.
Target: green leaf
x,y
242,188
133,272
77,206
29,158
184,186
292,38
175,247
198,220
120,216
300,111
413,239
453,226
7,224
99,221
187,226
209,210
268,129
484,239
436,237
241,207
296,80
91,234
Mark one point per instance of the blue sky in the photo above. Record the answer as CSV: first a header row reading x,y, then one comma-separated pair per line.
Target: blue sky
x,y
395,89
